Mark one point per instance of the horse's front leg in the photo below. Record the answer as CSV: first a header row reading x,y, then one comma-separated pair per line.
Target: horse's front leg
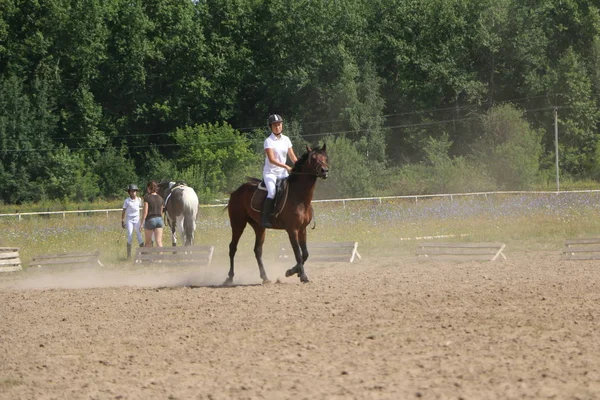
x,y
303,247
299,267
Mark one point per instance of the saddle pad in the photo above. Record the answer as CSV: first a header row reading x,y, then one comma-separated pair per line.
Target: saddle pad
x,y
171,192
258,198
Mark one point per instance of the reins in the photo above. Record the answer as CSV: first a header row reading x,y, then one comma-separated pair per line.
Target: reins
x,y
303,173
317,174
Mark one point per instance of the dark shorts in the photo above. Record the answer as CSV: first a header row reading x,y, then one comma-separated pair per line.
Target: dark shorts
x,y
153,223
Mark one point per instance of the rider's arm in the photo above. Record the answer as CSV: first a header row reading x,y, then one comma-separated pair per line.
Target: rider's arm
x,y
292,155
273,160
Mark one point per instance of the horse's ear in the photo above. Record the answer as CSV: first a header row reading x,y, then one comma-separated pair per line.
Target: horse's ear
x,y
308,149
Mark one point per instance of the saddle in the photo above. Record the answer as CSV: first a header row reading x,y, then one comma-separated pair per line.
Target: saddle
x,y
260,194
172,186
169,191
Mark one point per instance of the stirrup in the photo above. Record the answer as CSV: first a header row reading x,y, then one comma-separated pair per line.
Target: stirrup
x,y
265,222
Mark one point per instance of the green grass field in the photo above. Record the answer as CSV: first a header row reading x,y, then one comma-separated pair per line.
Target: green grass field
x,y
523,222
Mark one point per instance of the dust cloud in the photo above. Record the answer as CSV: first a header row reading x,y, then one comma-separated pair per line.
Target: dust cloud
x,y
143,276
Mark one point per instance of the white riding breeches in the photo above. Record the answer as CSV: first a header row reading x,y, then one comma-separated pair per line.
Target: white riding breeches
x,y
133,225
270,180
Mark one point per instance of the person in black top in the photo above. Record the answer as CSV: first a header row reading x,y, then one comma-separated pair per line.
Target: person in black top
x,y
152,215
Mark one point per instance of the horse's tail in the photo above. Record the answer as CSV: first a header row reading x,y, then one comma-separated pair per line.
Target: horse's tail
x,y
190,213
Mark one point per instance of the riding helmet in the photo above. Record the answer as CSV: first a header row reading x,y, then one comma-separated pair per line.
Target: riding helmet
x,y
274,118
133,186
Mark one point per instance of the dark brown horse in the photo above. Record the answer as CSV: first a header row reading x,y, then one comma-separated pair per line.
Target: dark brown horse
x,y
294,217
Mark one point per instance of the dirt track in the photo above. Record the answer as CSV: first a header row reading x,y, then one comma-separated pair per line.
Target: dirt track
x,y
379,329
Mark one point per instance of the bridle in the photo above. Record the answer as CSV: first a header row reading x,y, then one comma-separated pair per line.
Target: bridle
x,y
320,170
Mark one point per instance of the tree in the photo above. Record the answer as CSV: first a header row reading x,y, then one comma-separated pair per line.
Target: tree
x,y
359,107
350,175
579,119
69,177
423,54
509,148
115,171
24,141
215,157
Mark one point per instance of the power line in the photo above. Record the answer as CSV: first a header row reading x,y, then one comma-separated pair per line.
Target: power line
x,y
414,112
256,140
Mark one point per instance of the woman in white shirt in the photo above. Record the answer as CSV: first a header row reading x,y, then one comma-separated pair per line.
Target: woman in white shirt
x,y
277,148
130,217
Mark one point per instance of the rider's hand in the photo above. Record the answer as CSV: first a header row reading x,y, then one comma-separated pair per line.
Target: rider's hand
x,y
123,224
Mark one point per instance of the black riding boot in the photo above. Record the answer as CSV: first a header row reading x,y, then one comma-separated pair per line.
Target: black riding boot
x,y
267,210
128,251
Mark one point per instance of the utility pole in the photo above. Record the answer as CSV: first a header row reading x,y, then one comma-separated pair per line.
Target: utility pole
x,y
556,146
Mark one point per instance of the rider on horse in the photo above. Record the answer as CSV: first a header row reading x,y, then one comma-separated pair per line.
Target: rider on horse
x,y
277,148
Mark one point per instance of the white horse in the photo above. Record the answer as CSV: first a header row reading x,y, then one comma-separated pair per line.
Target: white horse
x,y
181,210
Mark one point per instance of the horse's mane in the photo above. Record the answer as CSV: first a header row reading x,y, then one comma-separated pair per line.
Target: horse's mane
x,y
298,166
253,181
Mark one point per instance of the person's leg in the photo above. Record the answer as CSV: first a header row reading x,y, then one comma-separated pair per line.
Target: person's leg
x,y
269,201
270,180
130,226
140,238
158,236
148,236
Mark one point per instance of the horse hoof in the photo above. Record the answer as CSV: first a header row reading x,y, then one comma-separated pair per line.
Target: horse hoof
x,y
304,279
291,271
228,282
266,281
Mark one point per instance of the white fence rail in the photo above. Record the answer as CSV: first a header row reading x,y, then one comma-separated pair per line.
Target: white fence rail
x,y
380,199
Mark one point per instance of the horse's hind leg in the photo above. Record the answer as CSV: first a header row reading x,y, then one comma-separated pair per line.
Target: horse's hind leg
x,y
173,225
189,227
173,235
258,248
237,228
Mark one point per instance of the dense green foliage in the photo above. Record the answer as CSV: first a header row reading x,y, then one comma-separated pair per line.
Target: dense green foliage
x,y
411,96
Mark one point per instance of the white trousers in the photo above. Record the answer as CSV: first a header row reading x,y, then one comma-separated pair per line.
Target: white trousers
x,y
270,180
133,225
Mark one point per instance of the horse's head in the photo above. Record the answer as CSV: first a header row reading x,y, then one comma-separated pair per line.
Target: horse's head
x,y
314,162
162,188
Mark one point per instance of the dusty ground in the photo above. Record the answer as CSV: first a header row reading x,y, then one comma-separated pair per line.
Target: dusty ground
x,y
383,328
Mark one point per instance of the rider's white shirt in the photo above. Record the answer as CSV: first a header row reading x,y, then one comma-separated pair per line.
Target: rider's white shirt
x,y
280,148
132,208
